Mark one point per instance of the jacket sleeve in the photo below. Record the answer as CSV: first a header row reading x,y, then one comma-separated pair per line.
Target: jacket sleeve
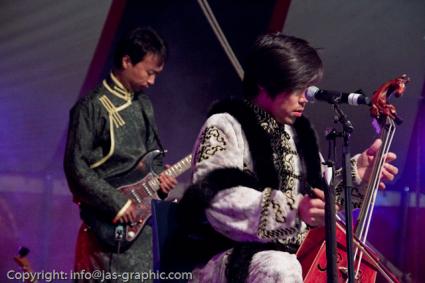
x,y
241,213
85,184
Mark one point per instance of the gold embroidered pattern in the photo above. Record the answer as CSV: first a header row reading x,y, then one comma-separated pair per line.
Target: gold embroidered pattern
x,y
283,153
355,191
284,159
295,240
278,212
277,234
290,199
210,136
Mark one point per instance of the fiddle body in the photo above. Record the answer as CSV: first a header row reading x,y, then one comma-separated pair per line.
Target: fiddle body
x,y
312,255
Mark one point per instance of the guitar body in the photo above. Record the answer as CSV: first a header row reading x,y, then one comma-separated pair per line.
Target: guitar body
x,y
140,184
312,256
142,169
142,195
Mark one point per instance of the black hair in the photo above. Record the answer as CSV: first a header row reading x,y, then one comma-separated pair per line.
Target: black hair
x,y
281,63
137,44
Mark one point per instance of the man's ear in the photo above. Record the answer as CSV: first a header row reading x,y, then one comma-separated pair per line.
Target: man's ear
x,y
126,62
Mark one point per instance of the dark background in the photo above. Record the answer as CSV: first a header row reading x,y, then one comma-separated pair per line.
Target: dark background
x,y
53,52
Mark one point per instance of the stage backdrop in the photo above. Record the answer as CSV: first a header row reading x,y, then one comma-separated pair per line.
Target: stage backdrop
x,y
53,52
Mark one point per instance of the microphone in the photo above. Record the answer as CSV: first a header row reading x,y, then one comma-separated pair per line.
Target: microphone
x,y
336,97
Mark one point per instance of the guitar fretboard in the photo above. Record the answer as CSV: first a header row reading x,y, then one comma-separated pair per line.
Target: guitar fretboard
x,y
179,167
174,171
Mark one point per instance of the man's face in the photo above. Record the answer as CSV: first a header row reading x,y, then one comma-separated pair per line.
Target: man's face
x,y
142,75
287,106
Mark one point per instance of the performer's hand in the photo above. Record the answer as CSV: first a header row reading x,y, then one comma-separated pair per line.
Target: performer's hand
x,y
129,215
365,164
311,210
166,182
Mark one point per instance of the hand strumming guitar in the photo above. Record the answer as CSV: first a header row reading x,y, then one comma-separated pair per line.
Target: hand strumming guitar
x,y
128,212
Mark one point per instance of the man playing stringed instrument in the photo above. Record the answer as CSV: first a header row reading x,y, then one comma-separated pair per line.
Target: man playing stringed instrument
x,y
257,173
110,129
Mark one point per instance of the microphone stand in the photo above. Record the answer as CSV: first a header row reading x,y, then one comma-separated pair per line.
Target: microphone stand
x,y
347,129
330,212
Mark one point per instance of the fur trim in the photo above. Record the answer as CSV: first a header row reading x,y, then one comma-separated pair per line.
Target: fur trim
x,y
198,196
241,256
258,140
261,151
308,150
205,242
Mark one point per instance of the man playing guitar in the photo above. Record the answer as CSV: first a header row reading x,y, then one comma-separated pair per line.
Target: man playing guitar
x,y
110,130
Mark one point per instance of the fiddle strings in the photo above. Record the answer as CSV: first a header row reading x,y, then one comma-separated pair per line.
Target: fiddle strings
x,y
365,218
373,186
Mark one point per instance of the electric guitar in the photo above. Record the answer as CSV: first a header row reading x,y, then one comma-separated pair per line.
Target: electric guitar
x,y
140,184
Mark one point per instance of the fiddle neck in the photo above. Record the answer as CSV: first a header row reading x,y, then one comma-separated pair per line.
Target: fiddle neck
x,y
386,135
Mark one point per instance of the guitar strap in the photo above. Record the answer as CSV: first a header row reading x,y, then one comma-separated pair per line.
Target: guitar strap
x,y
151,122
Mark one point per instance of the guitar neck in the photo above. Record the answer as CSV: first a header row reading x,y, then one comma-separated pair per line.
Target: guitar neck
x,y
174,171
180,167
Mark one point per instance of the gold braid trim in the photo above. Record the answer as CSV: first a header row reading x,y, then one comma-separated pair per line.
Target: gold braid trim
x,y
116,117
115,120
116,91
112,148
120,86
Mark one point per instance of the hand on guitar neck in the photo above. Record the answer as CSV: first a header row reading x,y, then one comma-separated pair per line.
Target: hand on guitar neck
x,y
166,182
